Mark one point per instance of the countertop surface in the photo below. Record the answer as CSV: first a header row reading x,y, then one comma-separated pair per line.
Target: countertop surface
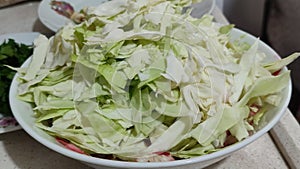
x,y
280,148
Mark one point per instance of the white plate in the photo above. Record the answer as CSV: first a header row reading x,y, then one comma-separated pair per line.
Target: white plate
x,y
55,21
27,121
25,38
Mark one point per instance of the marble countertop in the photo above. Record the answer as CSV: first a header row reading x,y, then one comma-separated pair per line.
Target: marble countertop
x,y
280,148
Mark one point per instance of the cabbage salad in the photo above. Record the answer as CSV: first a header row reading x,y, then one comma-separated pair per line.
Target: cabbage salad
x,y
141,80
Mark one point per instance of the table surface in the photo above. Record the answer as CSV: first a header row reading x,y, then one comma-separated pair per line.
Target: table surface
x,y
279,148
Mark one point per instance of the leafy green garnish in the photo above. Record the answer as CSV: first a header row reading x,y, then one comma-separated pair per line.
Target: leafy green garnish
x,y
13,54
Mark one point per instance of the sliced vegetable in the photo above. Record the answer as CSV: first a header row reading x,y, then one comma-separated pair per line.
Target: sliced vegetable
x,y
142,81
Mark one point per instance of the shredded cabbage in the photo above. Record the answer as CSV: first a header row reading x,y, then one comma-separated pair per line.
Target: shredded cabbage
x,y
140,77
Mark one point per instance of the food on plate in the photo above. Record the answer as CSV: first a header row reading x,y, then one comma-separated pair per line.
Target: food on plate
x,y
66,9
62,8
142,81
14,54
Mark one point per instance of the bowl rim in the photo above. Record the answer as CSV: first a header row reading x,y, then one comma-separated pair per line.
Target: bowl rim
x,y
125,164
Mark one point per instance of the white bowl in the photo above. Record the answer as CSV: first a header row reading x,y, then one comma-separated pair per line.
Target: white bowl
x,y
24,115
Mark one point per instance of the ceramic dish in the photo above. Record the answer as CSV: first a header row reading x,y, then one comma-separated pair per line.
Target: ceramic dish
x,y
27,121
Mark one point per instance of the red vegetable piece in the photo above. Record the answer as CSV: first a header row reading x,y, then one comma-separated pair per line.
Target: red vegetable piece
x,y
69,145
276,72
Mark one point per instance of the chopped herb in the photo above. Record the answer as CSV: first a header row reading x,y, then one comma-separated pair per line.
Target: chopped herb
x,y
13,54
